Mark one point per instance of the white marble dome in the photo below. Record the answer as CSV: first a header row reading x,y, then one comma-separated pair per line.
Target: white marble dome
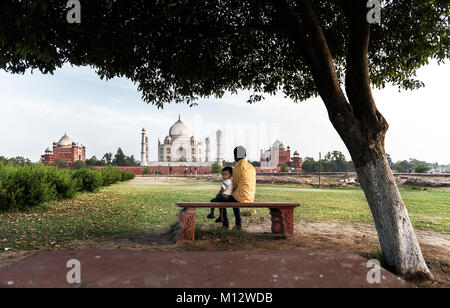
x,y
276,144
179,129
65,141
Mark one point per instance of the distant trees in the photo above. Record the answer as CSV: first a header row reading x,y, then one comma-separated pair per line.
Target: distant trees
x,y
334,161
119,159
15,161
412,165
255,163
61,164
228,163
108,158
93,161
216,169
79,164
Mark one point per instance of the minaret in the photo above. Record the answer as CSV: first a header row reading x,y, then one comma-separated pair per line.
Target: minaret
x,y
146,150
219,147
143,148
208,150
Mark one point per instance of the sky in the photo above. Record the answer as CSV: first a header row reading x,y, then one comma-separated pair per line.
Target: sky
x,y
37,109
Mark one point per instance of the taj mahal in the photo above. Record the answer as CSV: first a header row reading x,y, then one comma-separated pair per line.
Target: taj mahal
x,y
180,148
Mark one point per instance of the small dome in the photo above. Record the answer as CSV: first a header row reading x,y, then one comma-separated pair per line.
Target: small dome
x,y
48,150
179,129
296,153
282,147
65,141
167,139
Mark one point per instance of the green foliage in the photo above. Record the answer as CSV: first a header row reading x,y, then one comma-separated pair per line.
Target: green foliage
x,y
108,158
79,164
195,49
399,168
110,175
23,187
93,161
88,179
62,181
334,161
284,168
216,169
59,163
127,175
310,165
26,186
15,161
412,165
421,168
255,163
119,158
146,170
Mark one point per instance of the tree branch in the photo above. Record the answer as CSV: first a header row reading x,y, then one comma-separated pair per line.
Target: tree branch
x,y
357,77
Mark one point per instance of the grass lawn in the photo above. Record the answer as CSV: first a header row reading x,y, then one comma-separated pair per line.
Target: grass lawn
x,y
140,206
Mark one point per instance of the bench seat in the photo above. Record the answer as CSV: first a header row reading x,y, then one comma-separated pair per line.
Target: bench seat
x,y
282,216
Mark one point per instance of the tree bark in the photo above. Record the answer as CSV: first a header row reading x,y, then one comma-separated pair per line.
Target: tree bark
x,y
396,235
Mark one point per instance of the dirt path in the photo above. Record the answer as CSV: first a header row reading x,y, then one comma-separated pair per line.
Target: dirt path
x,y
342,230
358,237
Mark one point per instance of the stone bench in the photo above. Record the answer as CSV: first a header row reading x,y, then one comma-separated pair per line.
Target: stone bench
x,y
282,216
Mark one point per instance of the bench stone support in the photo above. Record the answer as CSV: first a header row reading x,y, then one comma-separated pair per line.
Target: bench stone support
x,y
186,225
282,221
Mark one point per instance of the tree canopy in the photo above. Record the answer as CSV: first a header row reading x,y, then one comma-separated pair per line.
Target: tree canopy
x,y
178,51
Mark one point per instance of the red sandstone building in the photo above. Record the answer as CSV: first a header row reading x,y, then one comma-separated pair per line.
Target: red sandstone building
x,y
65,150
277,156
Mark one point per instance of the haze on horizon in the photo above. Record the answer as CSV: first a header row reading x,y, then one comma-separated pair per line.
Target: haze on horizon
x,y
37,109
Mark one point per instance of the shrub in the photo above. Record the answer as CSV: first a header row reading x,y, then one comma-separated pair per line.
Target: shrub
x,y
284,168
146,170
22,187
110,175
61,179
88,179
127,175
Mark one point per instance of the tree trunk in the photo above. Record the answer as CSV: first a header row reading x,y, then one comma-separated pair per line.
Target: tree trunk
x,y
395,232
360,125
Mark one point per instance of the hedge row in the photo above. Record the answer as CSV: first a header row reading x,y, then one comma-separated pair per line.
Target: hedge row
x,y
22,187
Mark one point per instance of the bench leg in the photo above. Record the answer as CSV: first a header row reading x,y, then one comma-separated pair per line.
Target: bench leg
x,y
283,221
186,225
